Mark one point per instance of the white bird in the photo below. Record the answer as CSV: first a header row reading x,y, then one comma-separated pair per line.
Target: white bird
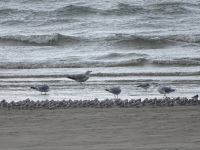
x,y
114,90
80,77
42,88
144,85
164,89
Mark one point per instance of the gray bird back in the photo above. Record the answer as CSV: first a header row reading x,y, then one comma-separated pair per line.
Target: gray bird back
x,y
115,90
168,89
43,88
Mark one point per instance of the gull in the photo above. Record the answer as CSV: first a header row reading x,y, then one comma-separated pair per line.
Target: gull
x,y
164,89
195,97
114,90
144,85
80,77
42,88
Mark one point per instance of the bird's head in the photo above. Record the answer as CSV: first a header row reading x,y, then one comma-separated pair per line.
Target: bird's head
x,y
88,72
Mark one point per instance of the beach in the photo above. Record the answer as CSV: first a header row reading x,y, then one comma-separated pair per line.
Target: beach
x,y
124,43
145,128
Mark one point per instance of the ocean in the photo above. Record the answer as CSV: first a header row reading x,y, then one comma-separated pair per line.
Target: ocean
x,y
123,42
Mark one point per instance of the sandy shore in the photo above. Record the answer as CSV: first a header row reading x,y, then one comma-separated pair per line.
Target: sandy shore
x,y
147,128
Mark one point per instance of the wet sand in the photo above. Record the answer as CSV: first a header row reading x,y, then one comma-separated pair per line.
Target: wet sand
x,y
145,128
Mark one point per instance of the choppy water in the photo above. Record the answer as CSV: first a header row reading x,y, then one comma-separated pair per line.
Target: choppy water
x,y
123,42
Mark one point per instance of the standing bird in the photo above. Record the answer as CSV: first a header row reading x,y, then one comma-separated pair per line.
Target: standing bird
x,y
42,88
164,89
114,90
195,97
144,85
80,77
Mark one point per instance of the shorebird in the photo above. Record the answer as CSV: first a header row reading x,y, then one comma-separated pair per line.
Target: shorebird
x,y
114,90
80,77
195,97
42,88
164,89
144,85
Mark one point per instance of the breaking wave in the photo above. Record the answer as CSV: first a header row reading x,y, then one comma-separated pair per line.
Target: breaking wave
x,y
169,8
128,62
138,41
124,9
153,42
177,62
53,39
111,56
72,10
74,64
118,10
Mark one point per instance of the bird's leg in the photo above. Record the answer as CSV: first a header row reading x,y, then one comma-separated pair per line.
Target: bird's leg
x,y
164,97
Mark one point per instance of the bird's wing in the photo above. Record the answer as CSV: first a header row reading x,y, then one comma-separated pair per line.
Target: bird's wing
x,y
167,89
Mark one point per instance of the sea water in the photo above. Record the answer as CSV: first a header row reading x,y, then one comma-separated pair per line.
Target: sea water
x,y
123,42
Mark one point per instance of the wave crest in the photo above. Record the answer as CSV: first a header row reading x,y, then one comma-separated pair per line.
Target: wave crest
x,y
112,56
153,42
124,9
177,62
73,64
143,42
170,8
53,39
72,10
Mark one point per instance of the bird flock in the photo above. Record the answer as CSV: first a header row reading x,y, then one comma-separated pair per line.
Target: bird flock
x,y
114,90
80,78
